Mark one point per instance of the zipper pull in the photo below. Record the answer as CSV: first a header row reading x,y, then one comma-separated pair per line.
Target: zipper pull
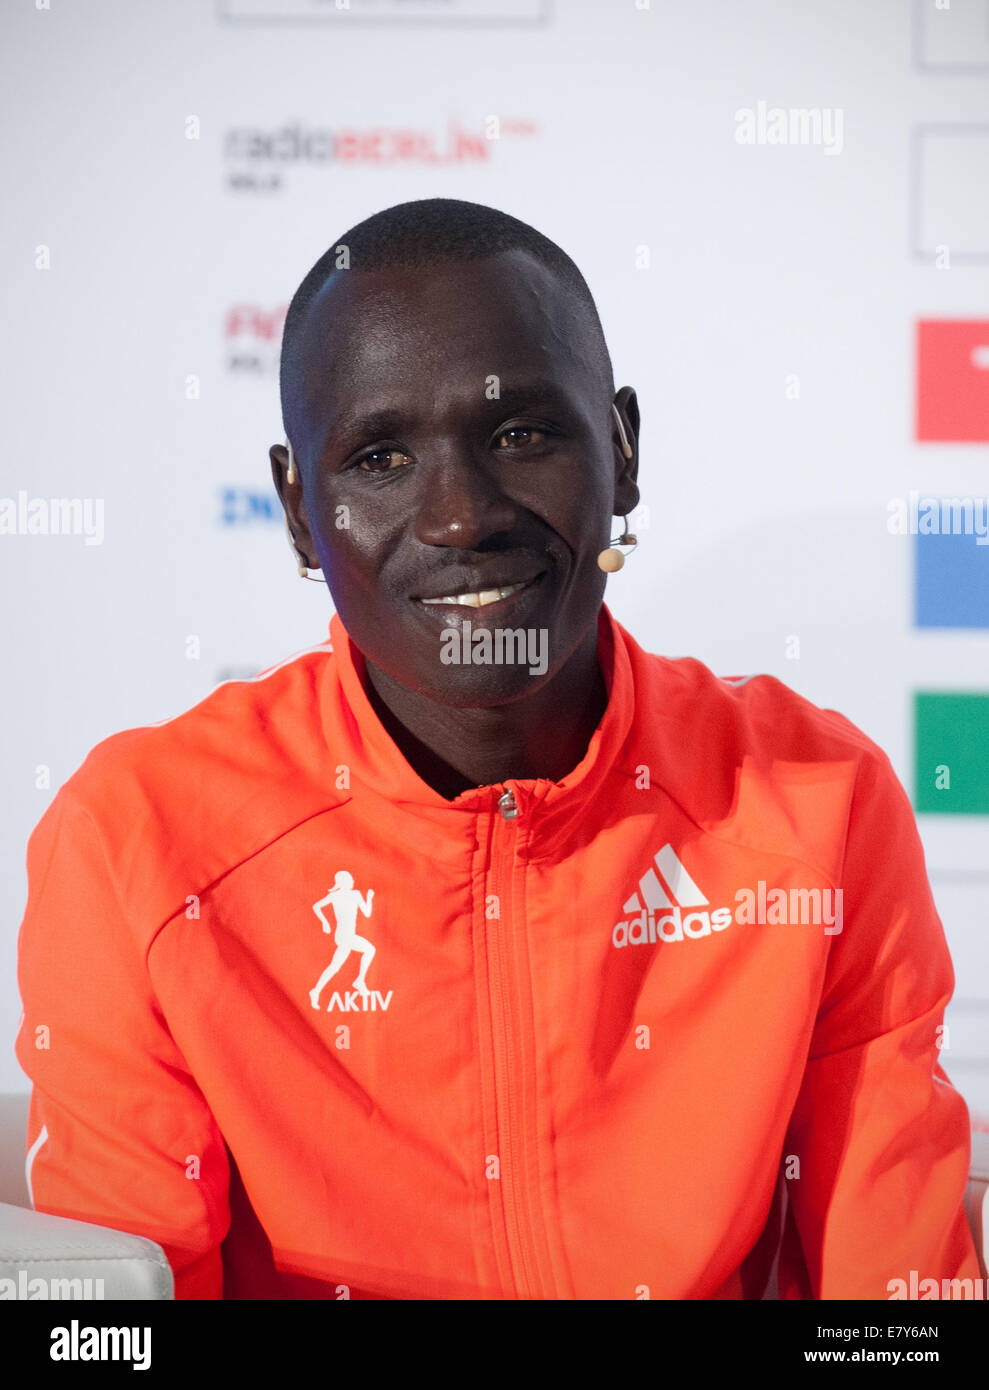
x,y
507,805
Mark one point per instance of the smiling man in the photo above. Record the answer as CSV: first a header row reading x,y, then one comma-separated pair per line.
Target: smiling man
x,y
649,983
450,408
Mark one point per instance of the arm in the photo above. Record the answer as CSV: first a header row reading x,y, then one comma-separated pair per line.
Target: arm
x,y
116,1122
882,1137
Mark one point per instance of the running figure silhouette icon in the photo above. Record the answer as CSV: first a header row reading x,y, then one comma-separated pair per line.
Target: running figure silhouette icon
x,y
345,901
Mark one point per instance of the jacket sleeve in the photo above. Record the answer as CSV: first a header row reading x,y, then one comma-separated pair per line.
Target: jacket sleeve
x,y
882,1137
118,1132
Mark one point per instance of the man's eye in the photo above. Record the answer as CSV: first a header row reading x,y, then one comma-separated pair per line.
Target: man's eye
x,y
521,435
382,454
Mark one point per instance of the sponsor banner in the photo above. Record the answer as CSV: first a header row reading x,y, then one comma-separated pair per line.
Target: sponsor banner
x,y
249,506
252,335
258,158
953,380
951,36
950,194
951,581
951,753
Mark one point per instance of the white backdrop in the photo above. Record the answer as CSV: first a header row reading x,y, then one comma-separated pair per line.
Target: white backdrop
x,y
172,170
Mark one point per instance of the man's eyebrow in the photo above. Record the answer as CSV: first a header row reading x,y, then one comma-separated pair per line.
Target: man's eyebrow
x,y
375,425
379,424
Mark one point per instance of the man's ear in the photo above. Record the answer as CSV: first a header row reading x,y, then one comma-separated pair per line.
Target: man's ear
x,y
291,497
626,469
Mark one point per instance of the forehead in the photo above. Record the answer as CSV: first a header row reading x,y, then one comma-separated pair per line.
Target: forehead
x,y
411,331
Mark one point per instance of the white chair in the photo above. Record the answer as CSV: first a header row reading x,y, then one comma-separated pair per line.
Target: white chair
x,y
74,1259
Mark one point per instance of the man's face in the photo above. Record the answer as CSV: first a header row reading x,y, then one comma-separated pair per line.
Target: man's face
x,y
455,435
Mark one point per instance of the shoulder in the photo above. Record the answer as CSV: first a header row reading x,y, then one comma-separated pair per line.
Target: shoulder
x,y
242,731
749,759
178,803
758,713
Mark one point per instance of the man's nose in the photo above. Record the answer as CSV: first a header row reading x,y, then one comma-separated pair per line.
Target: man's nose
x,y
462,504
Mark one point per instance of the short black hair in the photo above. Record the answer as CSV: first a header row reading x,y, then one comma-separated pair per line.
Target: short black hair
x,y
426,232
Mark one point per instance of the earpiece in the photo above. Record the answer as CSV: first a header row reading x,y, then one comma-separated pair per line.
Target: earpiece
x,y
611,560
626,446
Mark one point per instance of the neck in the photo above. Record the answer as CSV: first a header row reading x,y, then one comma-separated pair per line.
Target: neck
x,y
454,749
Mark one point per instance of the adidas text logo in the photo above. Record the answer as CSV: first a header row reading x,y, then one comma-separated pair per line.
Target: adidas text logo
x,y
657,915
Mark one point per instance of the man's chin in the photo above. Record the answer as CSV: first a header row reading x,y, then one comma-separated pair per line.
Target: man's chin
x,y
479,685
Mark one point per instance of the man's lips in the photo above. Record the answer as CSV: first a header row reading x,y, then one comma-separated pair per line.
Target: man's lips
x,y
485,595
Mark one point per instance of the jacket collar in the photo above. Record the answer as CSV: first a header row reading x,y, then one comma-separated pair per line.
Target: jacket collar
x,y
356,737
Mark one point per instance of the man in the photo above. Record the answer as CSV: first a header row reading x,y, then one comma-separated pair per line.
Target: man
x,y
655,952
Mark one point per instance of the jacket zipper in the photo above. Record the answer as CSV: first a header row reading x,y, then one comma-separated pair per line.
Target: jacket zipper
x,y
507,1055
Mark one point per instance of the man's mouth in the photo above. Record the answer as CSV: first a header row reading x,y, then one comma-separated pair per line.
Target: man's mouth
x,y
481,598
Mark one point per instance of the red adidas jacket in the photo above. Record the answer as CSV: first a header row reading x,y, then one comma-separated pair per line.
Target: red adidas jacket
x,y
322,1033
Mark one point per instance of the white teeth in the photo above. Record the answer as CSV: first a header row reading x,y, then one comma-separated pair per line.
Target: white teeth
x,y
477,600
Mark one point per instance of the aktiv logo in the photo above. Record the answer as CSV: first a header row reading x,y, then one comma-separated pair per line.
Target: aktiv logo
x,y
669,906
345,902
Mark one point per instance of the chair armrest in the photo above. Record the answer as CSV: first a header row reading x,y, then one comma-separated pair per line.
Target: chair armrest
x,y
78,1259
